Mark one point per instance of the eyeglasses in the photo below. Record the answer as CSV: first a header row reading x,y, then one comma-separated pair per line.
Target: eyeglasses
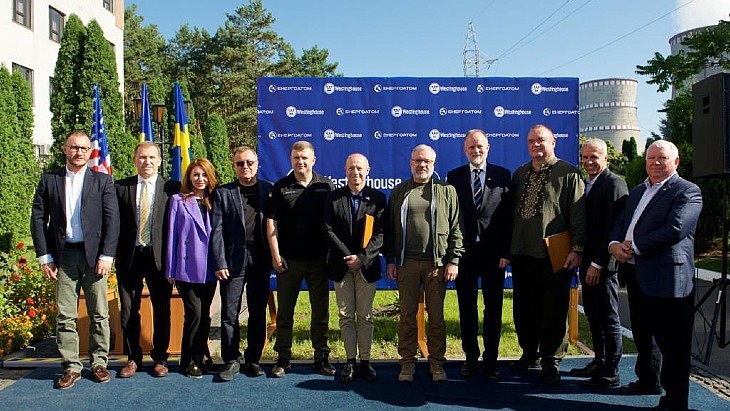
x,y
249,163
424,161
80,149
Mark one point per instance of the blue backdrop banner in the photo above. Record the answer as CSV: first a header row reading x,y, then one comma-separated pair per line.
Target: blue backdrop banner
x,y
385,117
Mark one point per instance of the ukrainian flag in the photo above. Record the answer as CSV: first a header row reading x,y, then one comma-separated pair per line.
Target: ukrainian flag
x,y
181,151
145,125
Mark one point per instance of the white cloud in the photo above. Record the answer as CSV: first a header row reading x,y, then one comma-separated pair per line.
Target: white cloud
x,y
700,13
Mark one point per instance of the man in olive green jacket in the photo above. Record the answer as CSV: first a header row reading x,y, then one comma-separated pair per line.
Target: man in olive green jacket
x,y
423,244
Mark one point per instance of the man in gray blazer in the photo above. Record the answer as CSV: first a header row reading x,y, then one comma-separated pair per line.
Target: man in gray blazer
x,y
655,237
75,225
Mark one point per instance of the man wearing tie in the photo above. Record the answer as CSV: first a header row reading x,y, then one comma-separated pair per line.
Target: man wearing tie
x,y
75,225
354,264
654,237
143,203
605,197
484,200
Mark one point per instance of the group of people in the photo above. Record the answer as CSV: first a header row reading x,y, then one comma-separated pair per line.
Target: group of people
x,y
467,229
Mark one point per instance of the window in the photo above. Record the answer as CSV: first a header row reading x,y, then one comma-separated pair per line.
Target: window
x,y
109,5
22,12
56,20
28,75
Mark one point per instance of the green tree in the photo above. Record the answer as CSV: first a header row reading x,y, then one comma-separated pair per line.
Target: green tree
x,y
99,66
629,149
17,164
146,60
64,86
216,141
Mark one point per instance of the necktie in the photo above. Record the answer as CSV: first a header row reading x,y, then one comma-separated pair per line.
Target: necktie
x,y
355,204
477,188
144,215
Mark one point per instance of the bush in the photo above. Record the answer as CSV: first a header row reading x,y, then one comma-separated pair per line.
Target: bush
x,y
27,302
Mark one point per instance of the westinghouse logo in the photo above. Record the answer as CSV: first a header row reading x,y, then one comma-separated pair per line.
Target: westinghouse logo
x,y
273,135
330,88
330,135
537,88
485,89
378,88
398,111
273,88
436,135
547,112
380,134
292,112
435,88
500,111
356,111
460,111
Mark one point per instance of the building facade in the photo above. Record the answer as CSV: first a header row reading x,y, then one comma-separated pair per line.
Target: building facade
x,y
32,30
608,110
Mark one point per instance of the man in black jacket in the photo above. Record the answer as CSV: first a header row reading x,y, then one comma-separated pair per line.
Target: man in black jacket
x,y
354,218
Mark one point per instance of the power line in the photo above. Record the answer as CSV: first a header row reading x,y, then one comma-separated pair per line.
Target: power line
x,y
616,40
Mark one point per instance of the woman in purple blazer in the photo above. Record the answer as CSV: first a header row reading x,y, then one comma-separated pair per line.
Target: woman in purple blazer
x,y
187,262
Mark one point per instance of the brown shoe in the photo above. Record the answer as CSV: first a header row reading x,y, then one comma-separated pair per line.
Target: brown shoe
x,y
101,375
160,369
67,380
128,370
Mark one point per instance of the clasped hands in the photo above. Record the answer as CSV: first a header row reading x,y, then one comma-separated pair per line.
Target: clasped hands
x,y
622,251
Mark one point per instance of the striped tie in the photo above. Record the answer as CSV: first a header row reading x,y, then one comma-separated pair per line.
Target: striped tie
x,y
144,215
477,188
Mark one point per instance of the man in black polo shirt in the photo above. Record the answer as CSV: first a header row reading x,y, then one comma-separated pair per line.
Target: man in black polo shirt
x,y
295,229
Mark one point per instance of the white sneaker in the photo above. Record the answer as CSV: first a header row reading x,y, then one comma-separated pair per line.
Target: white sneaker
x,y
437,372
406,372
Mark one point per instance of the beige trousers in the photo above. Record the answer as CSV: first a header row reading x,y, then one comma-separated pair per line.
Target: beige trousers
x,y
355,300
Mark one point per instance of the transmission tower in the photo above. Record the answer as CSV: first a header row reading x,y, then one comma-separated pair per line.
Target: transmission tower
x,y
473,58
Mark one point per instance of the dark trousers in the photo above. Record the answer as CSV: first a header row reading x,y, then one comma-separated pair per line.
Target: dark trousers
x,y
541,300
196,299
648,357
288,284
130,295
600,303
473,266
256,279
671,322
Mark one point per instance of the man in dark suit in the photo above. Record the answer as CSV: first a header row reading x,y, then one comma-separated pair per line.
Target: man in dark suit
x,y
354,264
486,209
143,204
75,225
654,236
241,257
605,197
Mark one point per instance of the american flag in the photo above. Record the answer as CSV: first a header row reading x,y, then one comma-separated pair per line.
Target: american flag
x,y
100,159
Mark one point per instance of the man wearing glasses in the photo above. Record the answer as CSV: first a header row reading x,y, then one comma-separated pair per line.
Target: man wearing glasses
x,y
423,244
75,225
241,257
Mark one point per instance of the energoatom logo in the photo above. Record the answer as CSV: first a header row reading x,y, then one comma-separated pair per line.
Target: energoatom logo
x,y
379,88
273,88
274,135
550,112
458,111
356,111
483,89
379,134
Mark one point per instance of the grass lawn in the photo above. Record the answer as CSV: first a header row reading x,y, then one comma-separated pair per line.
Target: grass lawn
x,y
712,264
386,330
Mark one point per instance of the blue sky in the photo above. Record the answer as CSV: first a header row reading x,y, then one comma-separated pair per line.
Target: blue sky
x,y
588,39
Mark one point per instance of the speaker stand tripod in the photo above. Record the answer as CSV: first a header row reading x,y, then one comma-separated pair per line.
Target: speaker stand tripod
x,y
720,284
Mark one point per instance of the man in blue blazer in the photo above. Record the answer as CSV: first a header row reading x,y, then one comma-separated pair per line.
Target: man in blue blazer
x,y
486,208
241,257
655,237
75,225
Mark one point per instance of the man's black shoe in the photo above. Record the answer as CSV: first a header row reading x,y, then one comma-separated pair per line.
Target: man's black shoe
x,y
524,364
323,366
280,368
252,369
469,369
589,370
637,388
491,375
600,383
193,371
348,373
229,371
551,375
367,371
